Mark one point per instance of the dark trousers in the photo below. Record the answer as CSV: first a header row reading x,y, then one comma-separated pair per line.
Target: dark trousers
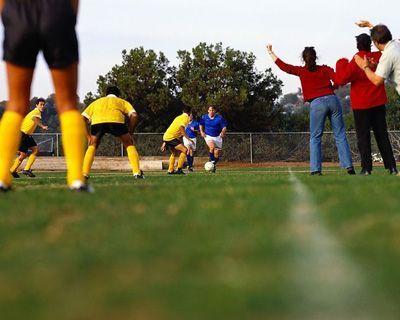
x,y
375,119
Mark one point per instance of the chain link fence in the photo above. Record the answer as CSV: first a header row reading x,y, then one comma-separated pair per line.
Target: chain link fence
x,y
241,147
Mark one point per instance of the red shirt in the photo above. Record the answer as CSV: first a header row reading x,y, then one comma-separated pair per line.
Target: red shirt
x,y
364,94
315,84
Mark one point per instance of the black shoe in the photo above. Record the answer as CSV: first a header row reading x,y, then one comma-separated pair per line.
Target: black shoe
x,y
139,176
190,169
351,171
4,188
393,171
316,173
365,172
15,175
81,187
28,173
171,173
179,171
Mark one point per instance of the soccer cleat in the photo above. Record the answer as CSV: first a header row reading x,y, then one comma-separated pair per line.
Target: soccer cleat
x,y
86,176
79,186
4,188
28,173
316,173
170,173
393,171
139,175
179,171
15,175
351,171
365,172
190,169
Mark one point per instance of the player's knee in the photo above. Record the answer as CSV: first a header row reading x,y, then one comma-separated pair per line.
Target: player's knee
x,y
23,156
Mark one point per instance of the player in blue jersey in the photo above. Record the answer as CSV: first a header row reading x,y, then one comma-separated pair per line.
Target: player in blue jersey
x,y
213,130
191,130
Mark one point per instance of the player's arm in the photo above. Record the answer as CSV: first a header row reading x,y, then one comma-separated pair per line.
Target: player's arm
x,y
365,64
288,68
223,132
39,123
202,133
133,121
183,133
163,147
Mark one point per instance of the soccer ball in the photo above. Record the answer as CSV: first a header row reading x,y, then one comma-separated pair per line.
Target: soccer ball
x,y
209,166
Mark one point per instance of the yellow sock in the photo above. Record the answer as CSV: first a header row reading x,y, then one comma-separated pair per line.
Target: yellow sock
x,y
181,160
30,162
73,137
16,165
10,136
88,161
171,165
133,157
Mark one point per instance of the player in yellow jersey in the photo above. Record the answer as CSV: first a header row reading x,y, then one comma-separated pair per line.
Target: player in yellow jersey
x,y
46,26
173,141
108,115
29,125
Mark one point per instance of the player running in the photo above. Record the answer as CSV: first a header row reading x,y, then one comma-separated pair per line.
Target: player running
x,y
29,125
107,115
213,130
173,141
31,27
191,130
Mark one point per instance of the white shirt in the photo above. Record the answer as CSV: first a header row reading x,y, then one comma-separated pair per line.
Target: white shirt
x,y
389,64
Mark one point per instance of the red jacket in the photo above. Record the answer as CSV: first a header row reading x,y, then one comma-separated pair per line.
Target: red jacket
x,y
364,94
314,84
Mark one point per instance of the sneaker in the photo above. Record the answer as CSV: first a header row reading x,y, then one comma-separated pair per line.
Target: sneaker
x,y
139,175
365,172
393,171
15,175
28,173
4,188
179,171
351,171
316,173
190,169
79,186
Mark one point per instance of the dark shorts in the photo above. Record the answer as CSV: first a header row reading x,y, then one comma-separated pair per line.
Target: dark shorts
x,y
27,142
116,129
31,26
173,143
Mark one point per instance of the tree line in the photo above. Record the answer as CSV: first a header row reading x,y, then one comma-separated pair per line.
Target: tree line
x,y
250,100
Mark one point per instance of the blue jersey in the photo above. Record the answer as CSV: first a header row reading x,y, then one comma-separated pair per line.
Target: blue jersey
x,y
192,129
213,127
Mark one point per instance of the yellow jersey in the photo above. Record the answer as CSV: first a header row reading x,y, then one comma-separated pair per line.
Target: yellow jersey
x,y
174,130
28,125
110,109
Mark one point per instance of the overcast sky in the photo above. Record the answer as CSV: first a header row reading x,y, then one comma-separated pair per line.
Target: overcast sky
x,y
107,27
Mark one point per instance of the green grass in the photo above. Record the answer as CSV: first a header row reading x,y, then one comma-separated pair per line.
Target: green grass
x,y
201,246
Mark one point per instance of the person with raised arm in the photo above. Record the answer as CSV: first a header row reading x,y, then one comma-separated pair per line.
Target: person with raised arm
x,y
317,83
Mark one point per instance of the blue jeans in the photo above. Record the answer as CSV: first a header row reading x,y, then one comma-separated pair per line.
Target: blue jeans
x,y
322,108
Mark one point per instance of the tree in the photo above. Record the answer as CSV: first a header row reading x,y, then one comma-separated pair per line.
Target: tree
x,y
228,79
148,82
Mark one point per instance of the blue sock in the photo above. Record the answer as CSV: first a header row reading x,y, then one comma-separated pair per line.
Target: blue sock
x,y
189,160
212,158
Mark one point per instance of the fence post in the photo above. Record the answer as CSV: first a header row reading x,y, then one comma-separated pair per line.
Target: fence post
x,y
251,148
122,150
57,143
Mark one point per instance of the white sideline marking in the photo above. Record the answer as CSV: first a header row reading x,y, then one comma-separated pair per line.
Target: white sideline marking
x,y
331,287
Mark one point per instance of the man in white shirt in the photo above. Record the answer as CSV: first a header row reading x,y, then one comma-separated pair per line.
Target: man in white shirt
x,y
389,65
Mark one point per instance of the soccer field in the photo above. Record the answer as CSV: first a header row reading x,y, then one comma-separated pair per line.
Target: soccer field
x,y
240,244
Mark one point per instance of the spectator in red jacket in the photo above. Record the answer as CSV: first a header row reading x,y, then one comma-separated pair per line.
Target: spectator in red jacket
x,y
318,89
368,103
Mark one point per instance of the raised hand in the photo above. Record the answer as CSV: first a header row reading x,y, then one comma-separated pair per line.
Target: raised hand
x,y
364,24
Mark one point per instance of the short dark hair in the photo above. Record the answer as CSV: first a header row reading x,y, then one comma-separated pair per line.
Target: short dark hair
x,y
113,90
187,109
364,42
381,34
39,100
212,106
